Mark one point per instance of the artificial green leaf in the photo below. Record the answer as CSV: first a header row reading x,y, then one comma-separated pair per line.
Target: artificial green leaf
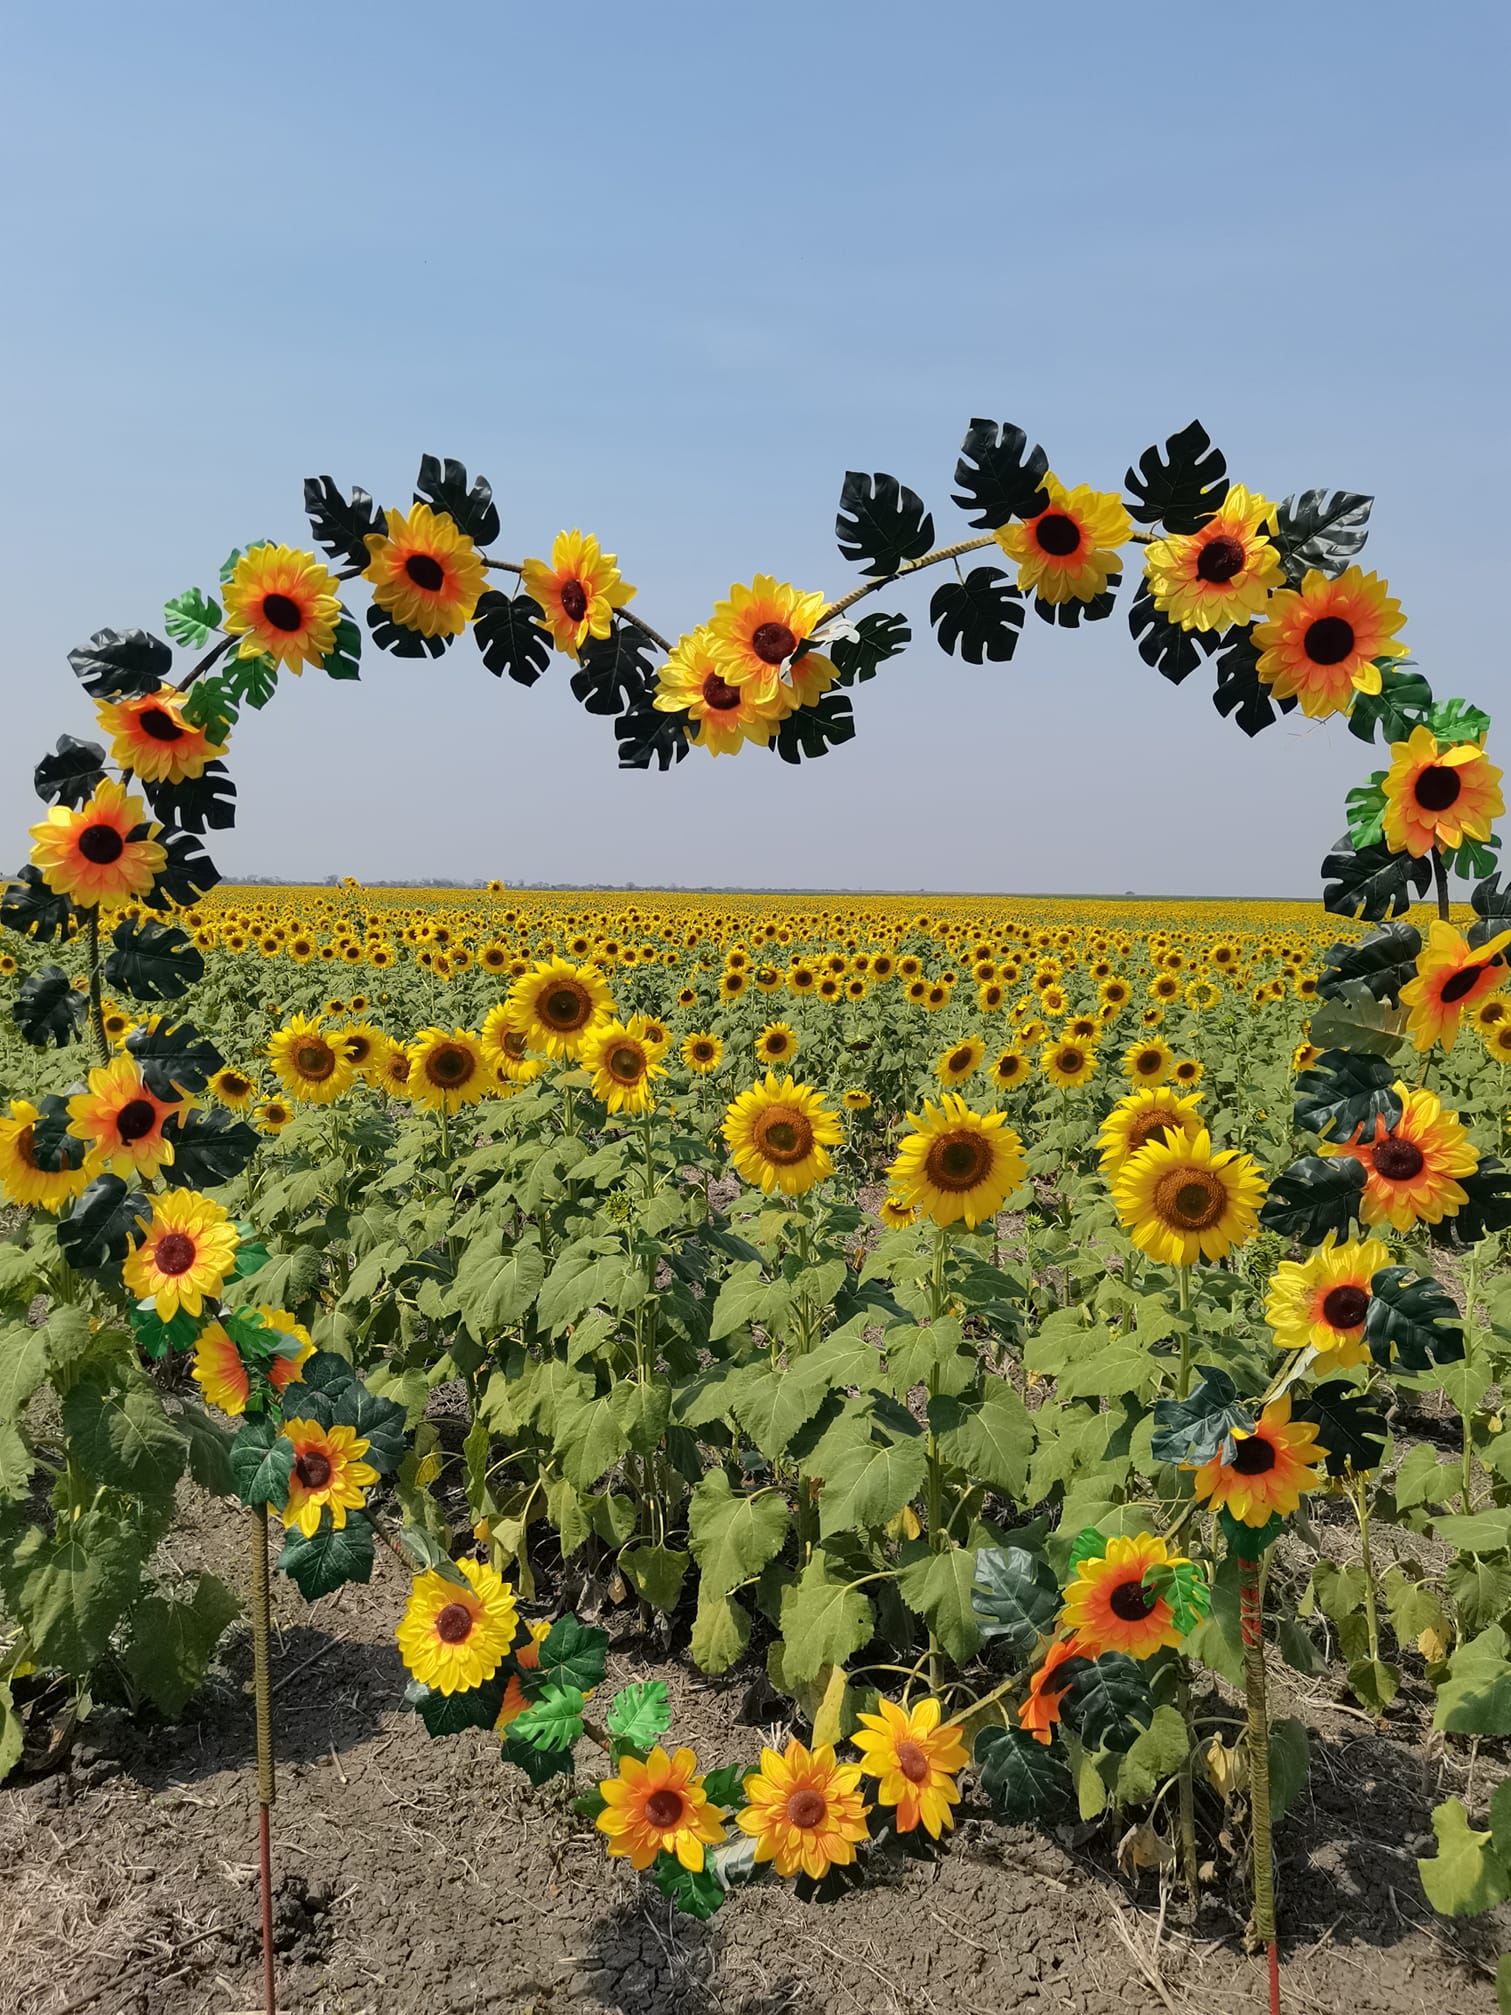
x,y
1193,1430
573,1654
1025,1780
552,1721
262,1461
640,1714
450,1713
191,618
334,1556
696,1892
1105,1700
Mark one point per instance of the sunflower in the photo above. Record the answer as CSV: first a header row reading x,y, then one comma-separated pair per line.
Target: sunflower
x,y
1041,1709
283,605
1068,1064
1010,1070
425,572
779,1135
1068,553
1108,1607
805,1812
1320,641
456,1634
25,1177
702,1052
447,1071
312,1066
1180,1202
554,1004
363,1045
1144,1116
1187,1072
1435,796
1304,1056
328,1474
754,635
150,737
856,1099
101,855
272,1115
1450,979
122,1121
659,1807
956,1163
1497,1040
723,717
960,1061
578,590
188,1250
1202,994
1488,1013
913,1759
1322,1301
1148,1062
232,1088
777,1043
1267,1471
655,1034
896,1216
1410,1168
623,1062
1221,574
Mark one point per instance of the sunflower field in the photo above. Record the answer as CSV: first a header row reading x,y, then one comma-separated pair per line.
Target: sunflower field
x,y
1017,1328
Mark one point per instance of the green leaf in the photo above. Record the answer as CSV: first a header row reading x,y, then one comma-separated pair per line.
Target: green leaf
x,y
1350,1430
1475,1698
155,1337
1481,1591
1383,962
119,1434
588,1438
583,1279
49,1009
1467,1875
725,1787
1411,1319
869,1482
1025,1780
1290,1764
252,680
656,1573
70,773
732,1536
1373,1683
824,1620
1402,703
172,1642
552,1721
1015,1596
539,1765
771,1403
998,476
980,618
12,1733
639,1714
23,1367
496,1290
191,619
1476,1532
721,1631
1154,1757
331,1558
881,523
152,961
262,1461
69,1590
208,1447
1182,490
990,1438
211,707
1322,529
509,635
574,1654
877,637
122,664
938,1586
1371,883
1342,1093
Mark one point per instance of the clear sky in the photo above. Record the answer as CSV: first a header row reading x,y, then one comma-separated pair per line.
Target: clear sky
x,y
665,272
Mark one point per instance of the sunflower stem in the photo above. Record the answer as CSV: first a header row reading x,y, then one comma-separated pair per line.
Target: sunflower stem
x,y
1183,1382
262,1696
1471,1292
96,1002
1359,1497
1190,1868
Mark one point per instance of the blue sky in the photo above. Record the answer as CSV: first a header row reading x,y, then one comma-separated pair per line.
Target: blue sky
x,y
665,272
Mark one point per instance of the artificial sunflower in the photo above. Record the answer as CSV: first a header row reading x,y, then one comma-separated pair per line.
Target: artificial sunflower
x,y
1411,1169
1068,1064
659,1807
578,590
755,633
1069,552
151,738
311,1065
1436,796
1041,1708
777,1043
623,1063
779,1134
722,717
456,1634
187,1252
283,604
526,1659
1180,1202
1321,1302
1144,1116
447,1070
1320,641
1107,1606
805,1811
1221,574
221,1374
914,1759
26,1178
1268,1470
702,1052
232,1088
961,1061
1450,979
121,1119
1148,1062
956,1163
425,572
101,855
554,1004
328,1474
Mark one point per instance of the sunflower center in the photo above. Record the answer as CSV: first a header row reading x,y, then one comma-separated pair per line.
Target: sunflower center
x,y
1345,1307
625,1064
1329,640
1154,1126
282,612
136,1119
1399,1160
233,1084
450,1065
315,1060
313,1469
784,1135
566,1007
961,1060
175,1253
1131,1602
806,1808
957,1161
101,844
719,694
1253,1455
1192,1199
160,726
912,1762
703,1051
1148,1062
574,600
1220,560
1057,535
358,1048
773,643
426,572
1071,1059
664,1808
1438,787
454,1624
1462,983
775,1044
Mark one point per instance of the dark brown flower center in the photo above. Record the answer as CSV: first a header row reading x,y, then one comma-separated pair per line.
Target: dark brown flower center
x,y
159,725
703,1051
664,1808
449,1065
313,1469
101,844
136,1119
315,1060
426,572
958,1161
1462,982
175,1253
1438,787
1329,640
783,1134
454,1624
1399,1160
1345,1307
1071,1060
1253,1455
912,1762
574,600
773,643
1190,1199
625,1064
282,612
1057,535
719,695
1131,1602
1220,560
806,1808
566,1007
775,1043
1148,1062
358,1048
